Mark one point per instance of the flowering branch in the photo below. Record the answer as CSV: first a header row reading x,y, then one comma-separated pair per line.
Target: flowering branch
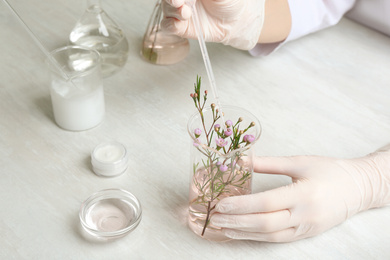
x,y
219,141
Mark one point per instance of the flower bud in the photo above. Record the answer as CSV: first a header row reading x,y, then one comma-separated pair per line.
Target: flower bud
x,y
228,132
197,132
248,139
196,142
223,168
221,142
228,123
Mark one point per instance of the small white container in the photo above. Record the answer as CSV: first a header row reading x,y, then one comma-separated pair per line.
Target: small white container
x,y
109,159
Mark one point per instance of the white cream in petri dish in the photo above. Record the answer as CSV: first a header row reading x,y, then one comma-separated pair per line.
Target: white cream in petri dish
x,y
109,159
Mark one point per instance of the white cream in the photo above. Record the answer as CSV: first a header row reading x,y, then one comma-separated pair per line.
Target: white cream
x,y
77,90
75,110
109,159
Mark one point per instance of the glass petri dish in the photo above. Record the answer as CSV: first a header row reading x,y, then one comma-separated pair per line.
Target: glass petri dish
x,y
110,213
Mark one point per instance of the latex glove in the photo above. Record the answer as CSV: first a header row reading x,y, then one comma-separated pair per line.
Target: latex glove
x,y
232,22
324,192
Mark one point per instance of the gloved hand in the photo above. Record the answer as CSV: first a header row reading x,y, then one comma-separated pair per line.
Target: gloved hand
x,y
232,22
324,192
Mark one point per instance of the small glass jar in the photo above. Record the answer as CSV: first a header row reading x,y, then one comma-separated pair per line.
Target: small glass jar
x,y
109,159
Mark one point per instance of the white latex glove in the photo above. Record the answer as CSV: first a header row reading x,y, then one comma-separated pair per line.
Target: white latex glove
x,y
232,22
325,192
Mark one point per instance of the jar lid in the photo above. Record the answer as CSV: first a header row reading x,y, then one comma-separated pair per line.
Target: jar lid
x,y
109,159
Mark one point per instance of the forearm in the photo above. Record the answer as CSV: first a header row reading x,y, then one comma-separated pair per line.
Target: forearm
x,y
277,21
290,19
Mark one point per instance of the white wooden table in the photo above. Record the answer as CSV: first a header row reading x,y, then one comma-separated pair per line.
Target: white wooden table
x,y
325,94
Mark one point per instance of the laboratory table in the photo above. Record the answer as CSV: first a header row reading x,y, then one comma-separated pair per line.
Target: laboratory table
x,y
325,94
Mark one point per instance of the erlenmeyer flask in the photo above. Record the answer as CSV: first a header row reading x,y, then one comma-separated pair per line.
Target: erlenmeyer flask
x,y
96,30
161,47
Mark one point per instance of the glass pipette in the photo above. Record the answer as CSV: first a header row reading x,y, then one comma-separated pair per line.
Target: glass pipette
x,y
206,58
39,44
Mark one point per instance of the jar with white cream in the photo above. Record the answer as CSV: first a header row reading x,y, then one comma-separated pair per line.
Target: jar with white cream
x,y
110,159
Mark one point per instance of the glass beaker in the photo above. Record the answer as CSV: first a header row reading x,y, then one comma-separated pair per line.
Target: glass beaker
x,y
217,173
78,101
159,46
96,30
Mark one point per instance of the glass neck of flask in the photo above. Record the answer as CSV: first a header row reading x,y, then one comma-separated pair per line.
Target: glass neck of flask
x,y
94,5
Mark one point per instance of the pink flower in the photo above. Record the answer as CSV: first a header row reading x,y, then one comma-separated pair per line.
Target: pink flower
x,y
197,132
223,168
233,164
248,138
228,132
196,142
220,142
228,123
216,127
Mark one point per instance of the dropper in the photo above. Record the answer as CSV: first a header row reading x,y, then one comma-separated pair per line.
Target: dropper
x,y
40,45
206,58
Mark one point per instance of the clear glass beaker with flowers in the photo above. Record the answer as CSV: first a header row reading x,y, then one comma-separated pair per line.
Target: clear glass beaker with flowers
x,y
221,159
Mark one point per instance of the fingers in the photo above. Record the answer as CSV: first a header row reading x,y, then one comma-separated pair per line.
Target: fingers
x,y
176,18
290,166
260,222
179,28
175,3
286,235
276,226
293,166
269,201
181,12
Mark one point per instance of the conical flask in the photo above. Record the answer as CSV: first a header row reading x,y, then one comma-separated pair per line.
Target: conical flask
x,y
161,47
96,30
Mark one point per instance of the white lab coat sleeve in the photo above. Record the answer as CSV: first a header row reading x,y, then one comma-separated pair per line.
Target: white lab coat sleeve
x,y
372,13
308,16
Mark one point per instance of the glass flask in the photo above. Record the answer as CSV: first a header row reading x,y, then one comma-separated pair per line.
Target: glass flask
x,y
216,172
159,46
96,30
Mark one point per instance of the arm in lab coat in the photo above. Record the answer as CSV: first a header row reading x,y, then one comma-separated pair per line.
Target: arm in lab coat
x,y
306,16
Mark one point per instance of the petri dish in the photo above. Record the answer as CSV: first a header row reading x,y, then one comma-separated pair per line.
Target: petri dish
x,y
110,213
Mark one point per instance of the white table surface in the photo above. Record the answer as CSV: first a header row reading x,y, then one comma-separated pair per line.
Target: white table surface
x,y
325,94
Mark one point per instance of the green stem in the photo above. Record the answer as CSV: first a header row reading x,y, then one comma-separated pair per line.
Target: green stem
x,y
207,218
